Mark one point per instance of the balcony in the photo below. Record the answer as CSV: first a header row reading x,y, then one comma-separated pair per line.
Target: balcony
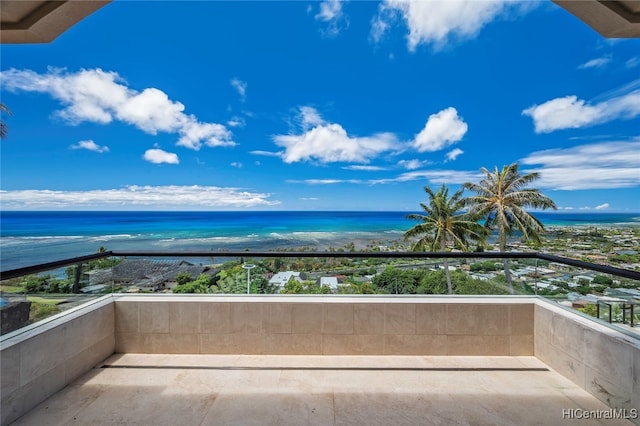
x,y
167,358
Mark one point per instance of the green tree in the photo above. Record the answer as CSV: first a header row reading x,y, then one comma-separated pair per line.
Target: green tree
x,y
444,225
183,278
501,198
199,285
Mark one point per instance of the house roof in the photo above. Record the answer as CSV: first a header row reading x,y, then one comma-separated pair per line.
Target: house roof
x,y
30,21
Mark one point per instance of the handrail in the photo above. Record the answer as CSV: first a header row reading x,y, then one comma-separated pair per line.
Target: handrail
x,y
625,273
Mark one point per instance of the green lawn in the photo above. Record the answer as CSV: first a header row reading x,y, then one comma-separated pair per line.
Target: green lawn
x,y
11,288
45,300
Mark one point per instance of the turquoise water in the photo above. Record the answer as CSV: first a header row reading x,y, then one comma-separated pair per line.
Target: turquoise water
x,y
28,238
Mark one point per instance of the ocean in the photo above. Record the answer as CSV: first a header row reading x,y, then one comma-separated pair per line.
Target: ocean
x,y
33,237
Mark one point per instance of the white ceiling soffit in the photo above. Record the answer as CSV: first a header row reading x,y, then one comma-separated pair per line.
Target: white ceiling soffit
x,y
27,21
612,19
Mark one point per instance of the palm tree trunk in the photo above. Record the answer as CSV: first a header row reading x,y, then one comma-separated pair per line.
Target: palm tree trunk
x,y
505,262
507,274
448,275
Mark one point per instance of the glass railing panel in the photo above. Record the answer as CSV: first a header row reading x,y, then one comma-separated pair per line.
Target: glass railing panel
x,y
611,298
31,298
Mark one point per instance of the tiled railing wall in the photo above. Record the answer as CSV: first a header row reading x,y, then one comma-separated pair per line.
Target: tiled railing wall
x,y
42,359
604,362
37,361
325,326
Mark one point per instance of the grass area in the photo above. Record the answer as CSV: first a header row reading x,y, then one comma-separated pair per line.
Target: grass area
x,y
40,311
45,300
11,288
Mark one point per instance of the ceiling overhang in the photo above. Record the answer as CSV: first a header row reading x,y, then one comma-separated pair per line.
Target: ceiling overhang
x,y
31,21
38,21
610,18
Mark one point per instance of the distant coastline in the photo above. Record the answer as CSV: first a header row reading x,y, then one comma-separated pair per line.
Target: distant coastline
x,y
31,237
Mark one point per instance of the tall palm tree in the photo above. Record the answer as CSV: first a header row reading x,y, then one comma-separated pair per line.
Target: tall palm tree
x,y
501,197
444,225
3,126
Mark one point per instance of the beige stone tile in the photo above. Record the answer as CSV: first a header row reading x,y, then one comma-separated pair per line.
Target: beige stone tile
x,y
353,344
478,319
431,318
568,335
278,318
338,318
561,362
9,369
237,344
293,344
215,318
246,318
611,358
400,318
85,331
83,361
126,316
169,343
273,408
61,408
184,317
406,344
30,394
368,318
613,394
635,394
542,329
307,318
153,317
478,345
521,345
35,361
127,343
522,319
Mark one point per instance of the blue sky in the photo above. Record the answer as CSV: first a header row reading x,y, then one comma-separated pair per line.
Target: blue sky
x,y
317,106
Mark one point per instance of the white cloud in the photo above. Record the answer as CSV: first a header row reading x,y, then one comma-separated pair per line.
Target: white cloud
x,y
91,146
158,156
632,62
236,122
236,164
240,86
332,15
596,63
602,206
454,153
309,118
570,112
441,130
364,168
137,197
439,23
101,97
328,142
434,176
603,165
413,164
266,153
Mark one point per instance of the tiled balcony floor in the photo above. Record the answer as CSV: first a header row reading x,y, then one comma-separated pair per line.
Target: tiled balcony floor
x,y
322,390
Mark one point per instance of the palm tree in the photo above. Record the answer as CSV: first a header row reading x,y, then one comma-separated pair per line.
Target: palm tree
x,y
445,224
3,126
501,197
